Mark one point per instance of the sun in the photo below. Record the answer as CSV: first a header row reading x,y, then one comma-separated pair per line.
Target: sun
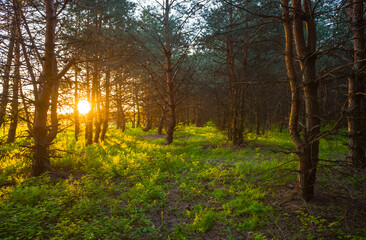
x,y
84,107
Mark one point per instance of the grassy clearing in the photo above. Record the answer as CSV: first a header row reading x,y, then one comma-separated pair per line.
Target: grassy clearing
x,y
133,187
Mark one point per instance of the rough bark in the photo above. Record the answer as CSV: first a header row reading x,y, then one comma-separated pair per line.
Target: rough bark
x,y
356,110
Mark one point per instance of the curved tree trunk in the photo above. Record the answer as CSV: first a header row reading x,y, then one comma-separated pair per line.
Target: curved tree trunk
x,y
308,146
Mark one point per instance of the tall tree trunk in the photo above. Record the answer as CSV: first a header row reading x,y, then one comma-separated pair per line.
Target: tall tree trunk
x,y
41,160
356,111
306,51
98,113
76,110
307,146
235,132
121,122
9,59
169,76
15,97
89,118
106,106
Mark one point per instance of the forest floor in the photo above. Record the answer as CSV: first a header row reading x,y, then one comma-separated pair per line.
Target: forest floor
x,y
132,186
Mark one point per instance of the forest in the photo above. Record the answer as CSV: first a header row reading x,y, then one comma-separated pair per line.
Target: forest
x,y
182,119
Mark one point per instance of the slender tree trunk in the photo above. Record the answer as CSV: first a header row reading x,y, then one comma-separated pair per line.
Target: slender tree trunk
x,y
89,121
356,111
25,107
9,59
15,97
169,76
106,107
76,110
281,126
235,132
257,124
138,122
98,113
121,122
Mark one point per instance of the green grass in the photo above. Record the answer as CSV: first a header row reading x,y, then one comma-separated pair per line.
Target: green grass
x,y
130,187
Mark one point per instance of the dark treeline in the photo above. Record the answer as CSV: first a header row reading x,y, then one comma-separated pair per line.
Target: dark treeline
x,y
248,66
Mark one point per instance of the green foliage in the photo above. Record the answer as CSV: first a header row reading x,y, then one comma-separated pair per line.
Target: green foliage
x,y
316,227
133,187
203,218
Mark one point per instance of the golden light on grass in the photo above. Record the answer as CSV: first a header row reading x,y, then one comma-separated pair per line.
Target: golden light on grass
x,y
84,107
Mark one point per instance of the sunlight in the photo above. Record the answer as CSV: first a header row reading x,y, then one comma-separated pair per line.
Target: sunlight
x,y
84,107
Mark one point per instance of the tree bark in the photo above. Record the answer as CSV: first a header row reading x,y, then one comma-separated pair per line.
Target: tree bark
x,y
169,76
121,122
76,110
41,160
106,106
235,132
15,96
89,118
9,59
162,120
356,110
307,146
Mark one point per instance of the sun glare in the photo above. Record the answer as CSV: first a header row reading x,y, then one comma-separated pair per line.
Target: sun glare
x,y
84,107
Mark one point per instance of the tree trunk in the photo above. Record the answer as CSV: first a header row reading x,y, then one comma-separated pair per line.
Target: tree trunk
x,y
162,121
148,124
106,106
98,115
89,118
356,111
41,160
9,59
15,97
308,146
169,77
76,110
235,132
25,107
121,122
257,124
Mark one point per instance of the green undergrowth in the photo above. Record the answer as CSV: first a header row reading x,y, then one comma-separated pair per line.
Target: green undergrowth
x,y
132,186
